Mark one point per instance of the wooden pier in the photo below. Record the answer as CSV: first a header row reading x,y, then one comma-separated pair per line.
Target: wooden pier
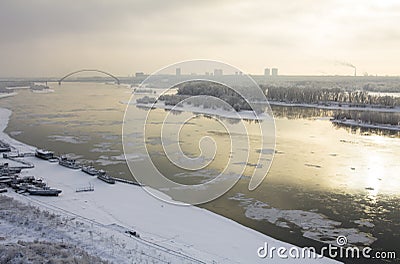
x,y
89,188
127,181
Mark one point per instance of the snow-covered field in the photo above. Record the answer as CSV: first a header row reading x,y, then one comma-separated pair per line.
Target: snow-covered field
x,y
30,235
96,221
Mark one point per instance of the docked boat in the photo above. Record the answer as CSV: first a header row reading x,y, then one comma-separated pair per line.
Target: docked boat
x,y
69,163
39,183
9,171
24,186
4,147
6,170
5,179
90,170
45,191
44,154
28,179
104,177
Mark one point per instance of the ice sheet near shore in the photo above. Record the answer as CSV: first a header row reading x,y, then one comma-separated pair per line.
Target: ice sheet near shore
x,y
313,225
4,95
354,123
249,115
175,234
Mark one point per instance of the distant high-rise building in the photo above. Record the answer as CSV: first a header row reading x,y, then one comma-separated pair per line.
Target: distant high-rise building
x,y
139,74
267,72
274,71
178,71
218,72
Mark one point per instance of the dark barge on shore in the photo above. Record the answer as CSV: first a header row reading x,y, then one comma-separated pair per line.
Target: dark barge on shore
x,y
106,178
45,191
44,154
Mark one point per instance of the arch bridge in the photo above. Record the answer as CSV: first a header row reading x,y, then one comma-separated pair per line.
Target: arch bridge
x,y
89,70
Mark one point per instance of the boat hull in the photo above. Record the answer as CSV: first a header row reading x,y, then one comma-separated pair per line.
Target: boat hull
x,y
108,180
50,192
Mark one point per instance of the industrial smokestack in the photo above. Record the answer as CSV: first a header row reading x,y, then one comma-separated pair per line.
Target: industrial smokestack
x,y
348,65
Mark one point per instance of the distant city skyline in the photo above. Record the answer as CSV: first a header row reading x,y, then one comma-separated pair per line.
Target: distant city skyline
x,y
309,37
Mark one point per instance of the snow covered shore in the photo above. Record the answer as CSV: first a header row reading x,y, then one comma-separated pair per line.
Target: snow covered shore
x,y
4,95
244,114
336,107
354,123
168,233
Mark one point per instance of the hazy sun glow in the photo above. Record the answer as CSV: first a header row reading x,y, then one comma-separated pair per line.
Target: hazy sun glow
x,y
124,37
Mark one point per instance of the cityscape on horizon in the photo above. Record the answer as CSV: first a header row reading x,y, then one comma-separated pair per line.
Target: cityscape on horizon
x,y
268,73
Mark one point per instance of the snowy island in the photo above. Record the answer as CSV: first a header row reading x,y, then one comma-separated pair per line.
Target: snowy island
x,y
209,98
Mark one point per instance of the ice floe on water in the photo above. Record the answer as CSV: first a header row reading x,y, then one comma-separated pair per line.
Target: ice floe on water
x,y
198,177
364,222
15,133
313,165
101,150
103,147
265,151
70,139
243,201
155,141
111,137
206,176
105,161
256,165
73,156
313,225
118,159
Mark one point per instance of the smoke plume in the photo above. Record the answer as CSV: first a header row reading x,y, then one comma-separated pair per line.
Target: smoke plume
x,y
345,64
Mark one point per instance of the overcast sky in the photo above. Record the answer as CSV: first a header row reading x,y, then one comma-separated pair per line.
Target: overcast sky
x,y
52,38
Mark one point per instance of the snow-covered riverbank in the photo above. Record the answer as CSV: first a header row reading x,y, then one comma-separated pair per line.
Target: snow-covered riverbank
x,y
248,115
97,221
354,123
4,95
337,107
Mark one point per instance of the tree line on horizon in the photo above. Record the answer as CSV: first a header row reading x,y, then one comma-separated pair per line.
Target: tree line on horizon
x,y
370,117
